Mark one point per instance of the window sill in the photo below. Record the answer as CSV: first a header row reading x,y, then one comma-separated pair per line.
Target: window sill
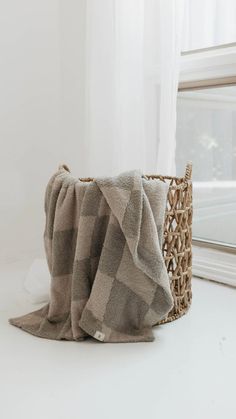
x,y
214,265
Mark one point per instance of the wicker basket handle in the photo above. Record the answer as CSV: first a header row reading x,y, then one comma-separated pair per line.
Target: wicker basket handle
x,y
63,167
188,171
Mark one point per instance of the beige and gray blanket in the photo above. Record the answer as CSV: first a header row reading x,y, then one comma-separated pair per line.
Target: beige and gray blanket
x,y
103,246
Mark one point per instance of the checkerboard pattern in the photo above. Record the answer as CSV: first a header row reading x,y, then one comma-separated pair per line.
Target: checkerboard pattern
x,y
103,245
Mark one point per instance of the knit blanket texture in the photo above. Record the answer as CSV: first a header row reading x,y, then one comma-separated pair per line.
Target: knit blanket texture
x,y
103,243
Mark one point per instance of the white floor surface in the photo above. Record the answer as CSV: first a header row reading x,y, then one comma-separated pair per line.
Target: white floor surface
x,y
188,372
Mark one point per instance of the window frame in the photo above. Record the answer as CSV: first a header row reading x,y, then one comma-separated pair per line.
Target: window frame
x,y
199,69
208,67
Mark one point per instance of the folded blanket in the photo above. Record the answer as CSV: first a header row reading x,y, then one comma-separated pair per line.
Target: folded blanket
x,y
103,245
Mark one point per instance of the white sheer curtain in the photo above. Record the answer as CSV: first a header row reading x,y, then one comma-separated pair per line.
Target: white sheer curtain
x,y
119,80
209,23
132,50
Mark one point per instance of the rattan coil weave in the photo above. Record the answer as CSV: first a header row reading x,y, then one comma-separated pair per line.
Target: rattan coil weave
x,y
177,240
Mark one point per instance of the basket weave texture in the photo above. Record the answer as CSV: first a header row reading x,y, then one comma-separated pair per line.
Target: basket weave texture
x,y
177,241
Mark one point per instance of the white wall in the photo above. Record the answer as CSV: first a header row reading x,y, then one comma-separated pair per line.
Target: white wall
x,y
41,117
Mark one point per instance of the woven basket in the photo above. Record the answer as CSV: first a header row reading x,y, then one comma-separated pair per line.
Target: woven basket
x,y
177,242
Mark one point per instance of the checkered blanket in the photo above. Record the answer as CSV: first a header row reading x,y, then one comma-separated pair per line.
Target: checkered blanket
x,y
103,245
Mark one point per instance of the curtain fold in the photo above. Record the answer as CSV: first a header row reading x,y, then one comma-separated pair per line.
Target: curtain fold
x,y
132,50
217,26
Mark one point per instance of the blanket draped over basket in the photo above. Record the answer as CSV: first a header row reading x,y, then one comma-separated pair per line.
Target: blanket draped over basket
x,y
103,243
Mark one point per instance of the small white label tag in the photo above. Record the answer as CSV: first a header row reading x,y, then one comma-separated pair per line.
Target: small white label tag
x,y
99,335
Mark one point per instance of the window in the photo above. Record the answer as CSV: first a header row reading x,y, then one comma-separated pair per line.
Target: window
x,y
206,135
207,118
